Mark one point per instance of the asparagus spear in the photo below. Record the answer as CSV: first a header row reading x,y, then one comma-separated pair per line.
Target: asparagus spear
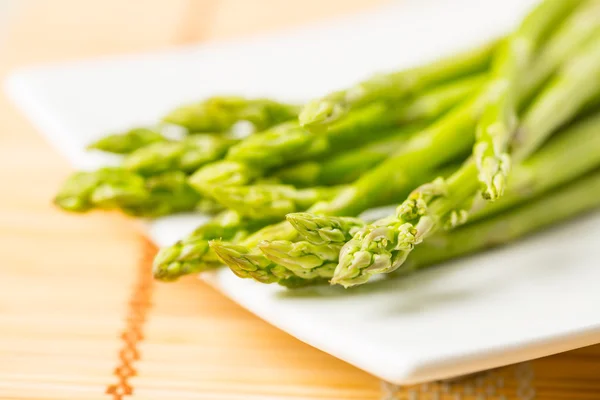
x,y
345,167
116,188
290,142
193,255
246,261
577,30
577,197
270,200
447,138
295,143
186,155
127,142
169,193
321,229
322,112
569,155
219,114
283,143
310,260
565,157
222,173
576,84
78,192
383,246
245,258
231,173
499,118
259,268
303,259
317,256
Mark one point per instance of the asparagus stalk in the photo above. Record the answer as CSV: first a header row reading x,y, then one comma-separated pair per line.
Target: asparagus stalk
x,y
270,200
232,173
290,142
345,167
245,258
221,113
383,246
283,143
193,255
256,266
303,259
582,195
499,118
576,198
127,142
169,193
223,173
116,188
78,193
575,32
321,229
576,84
317,256
447,138
320,113
568,156
186,155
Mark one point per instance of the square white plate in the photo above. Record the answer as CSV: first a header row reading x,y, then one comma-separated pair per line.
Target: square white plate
x,y
534,298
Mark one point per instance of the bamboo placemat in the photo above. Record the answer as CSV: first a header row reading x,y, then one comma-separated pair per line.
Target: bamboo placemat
x,y
80,317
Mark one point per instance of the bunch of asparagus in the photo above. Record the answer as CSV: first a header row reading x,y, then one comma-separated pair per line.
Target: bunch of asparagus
x,y
479,149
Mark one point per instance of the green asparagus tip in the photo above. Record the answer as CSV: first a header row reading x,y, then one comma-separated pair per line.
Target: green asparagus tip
x,y
319,229
109,196
276,250
302,221
182,116
493,177
127,142
74,195
304,259
257,201
374,250
70,202
245,264
104,188
221,173
319,113
353,265
183,258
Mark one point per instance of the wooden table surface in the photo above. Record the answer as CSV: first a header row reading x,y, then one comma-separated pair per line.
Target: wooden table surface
x,y
80,317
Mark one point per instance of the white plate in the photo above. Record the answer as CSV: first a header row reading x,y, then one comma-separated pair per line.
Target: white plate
x,y
535,298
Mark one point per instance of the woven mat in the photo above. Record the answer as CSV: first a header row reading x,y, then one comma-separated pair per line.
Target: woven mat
x,y
183,341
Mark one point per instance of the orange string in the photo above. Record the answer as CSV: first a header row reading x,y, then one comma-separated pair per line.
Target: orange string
x,y
132,334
